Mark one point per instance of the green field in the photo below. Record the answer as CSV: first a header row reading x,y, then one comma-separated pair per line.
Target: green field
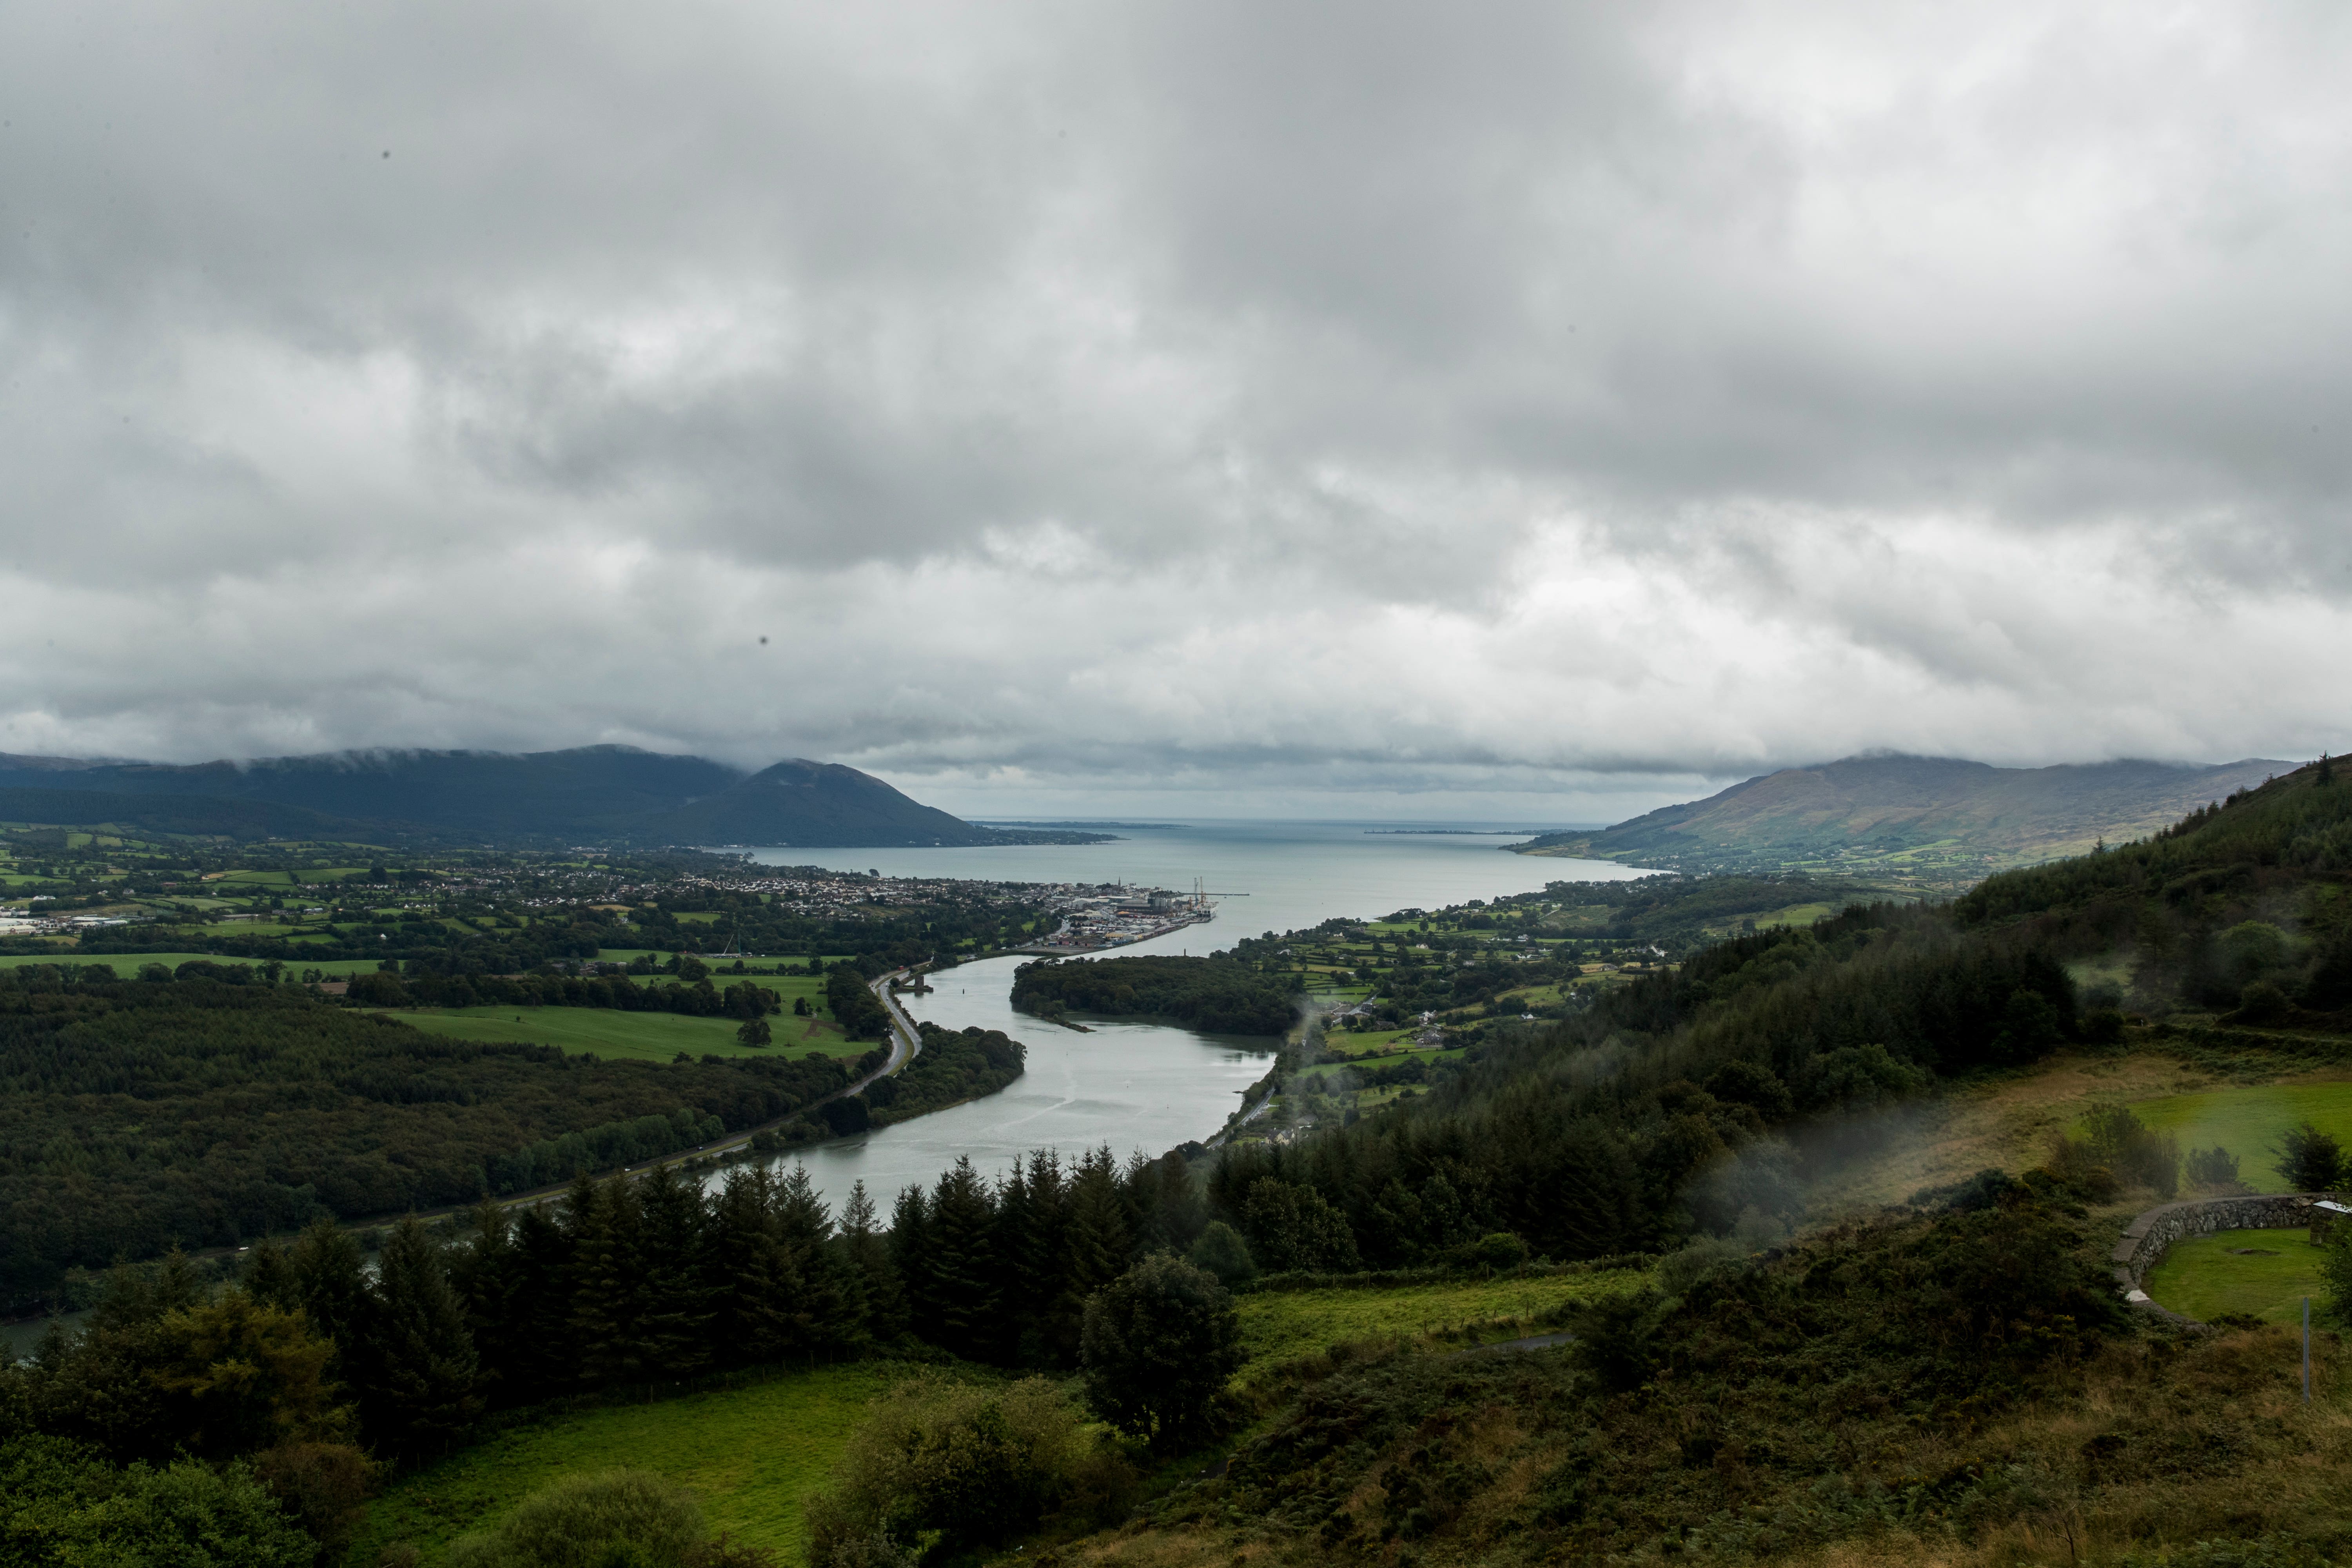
x,y
1279,1326
2248,1122
650,1037
630,954
127,963
2204,1276
749,1455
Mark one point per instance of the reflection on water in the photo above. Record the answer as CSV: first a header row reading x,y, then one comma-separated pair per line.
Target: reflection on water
x,y
1131,1085
1144,1086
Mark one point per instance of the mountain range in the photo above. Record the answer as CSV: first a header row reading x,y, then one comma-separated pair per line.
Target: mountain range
x,y
1937,815
591,793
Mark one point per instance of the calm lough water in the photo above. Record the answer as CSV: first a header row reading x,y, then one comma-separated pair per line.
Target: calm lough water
x,y
1147,1086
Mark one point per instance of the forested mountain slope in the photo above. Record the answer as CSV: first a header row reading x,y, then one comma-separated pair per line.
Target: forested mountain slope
x,y
588,793
2243,904
179,815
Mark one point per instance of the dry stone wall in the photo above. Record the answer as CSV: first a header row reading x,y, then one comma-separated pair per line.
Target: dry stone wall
x,y
2146,1239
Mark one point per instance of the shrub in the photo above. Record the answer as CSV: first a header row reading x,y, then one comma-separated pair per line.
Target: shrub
x,y
1499,1249
2336,1273
324,1485
61,1503
940,1465
1618,1338
2120,1142
2074,1166
1221,1252
2214,1169
2310,1161
2261,1002
1158,1346
620,1517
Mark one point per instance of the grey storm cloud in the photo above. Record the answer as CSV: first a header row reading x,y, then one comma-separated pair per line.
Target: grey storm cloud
x,y
1517,401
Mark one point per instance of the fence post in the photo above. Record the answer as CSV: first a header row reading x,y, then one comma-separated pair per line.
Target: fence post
x,y
2307,1350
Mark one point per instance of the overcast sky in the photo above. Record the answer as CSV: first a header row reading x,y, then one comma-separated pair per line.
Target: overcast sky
x,y
1472,410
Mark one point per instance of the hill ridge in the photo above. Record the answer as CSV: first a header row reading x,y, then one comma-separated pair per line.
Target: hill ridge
x,y
608,791
1947,816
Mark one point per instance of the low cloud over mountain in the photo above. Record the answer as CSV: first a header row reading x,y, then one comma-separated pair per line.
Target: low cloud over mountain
x,y
1538,408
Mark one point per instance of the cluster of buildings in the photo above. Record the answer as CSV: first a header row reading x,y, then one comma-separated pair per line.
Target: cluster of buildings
x,y
1101,917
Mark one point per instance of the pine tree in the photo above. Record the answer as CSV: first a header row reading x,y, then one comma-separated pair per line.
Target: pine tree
x,y
330,1284
425,1398
747,1272
805,1231
910,1256
956,1307
1028,1252
675,1318
606,1285
1094,1249
269,1277
540,1358
1170,1213
483,1269
879,1297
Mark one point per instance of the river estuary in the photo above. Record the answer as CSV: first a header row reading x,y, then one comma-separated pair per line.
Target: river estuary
x,y
1149,1086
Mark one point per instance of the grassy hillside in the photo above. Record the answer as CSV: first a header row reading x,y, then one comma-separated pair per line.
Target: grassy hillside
x,y
1281,1326
1941,820
749,1455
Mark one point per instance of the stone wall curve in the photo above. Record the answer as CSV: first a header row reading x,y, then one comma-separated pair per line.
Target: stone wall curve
x,y
2148,1237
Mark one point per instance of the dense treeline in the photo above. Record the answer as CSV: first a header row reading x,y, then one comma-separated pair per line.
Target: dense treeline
x,y
427,943
1217,995
1676,910
952,1067
855,1007
318,1367
139,1115
1668,1121
2241,905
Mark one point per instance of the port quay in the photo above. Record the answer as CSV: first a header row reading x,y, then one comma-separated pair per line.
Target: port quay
x,y
1120,917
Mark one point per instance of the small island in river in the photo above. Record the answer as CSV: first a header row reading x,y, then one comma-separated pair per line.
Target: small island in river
x,y
1218,995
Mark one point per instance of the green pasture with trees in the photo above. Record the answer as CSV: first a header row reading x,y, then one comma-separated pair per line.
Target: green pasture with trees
x,y
749,1456
209,1110
2253,1124
645,1037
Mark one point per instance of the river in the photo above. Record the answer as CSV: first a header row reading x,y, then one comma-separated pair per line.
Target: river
x,y
1149,1086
